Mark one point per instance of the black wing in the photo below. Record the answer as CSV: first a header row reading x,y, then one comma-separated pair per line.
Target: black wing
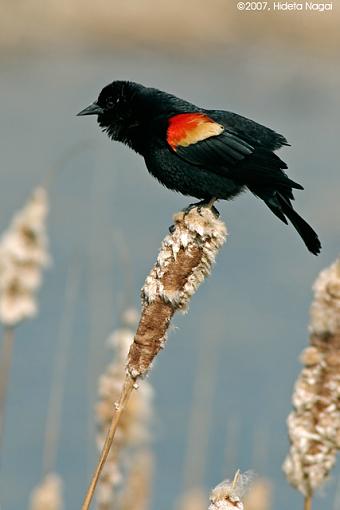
x,y
229,154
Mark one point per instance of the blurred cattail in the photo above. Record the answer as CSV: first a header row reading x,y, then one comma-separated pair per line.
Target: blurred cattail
x,y
184,260
23,255
193,495
228,495
133,427
136,493
48,495
193,499
314,425
259,496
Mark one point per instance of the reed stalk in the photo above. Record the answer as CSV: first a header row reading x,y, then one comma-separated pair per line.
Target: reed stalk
x,y
5,366
133,432
307,503
184,260
118,409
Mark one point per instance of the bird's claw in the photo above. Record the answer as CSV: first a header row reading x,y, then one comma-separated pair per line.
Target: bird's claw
x,y
215,212
199,206
190,207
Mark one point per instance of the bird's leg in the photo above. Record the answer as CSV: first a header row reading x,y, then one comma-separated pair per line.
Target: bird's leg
x,y
211,206
199,205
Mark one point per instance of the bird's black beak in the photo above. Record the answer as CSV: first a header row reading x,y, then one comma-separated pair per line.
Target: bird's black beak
x,y
93,109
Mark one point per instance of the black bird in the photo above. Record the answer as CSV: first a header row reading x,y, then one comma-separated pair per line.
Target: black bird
x,y
208,154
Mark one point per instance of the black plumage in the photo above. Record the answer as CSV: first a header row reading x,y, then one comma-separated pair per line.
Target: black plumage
x,y
207,154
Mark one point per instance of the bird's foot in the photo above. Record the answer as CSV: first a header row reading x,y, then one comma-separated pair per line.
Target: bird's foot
x,y
200,205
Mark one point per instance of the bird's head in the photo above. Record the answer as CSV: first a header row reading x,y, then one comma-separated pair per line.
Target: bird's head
x,y
115,109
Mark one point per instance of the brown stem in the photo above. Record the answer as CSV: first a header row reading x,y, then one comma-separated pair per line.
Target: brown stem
x,y
119,408
308,503
5,366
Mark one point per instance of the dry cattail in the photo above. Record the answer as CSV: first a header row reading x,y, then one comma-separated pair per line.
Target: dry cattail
x,y
314,425
184,260
259,496
133,428
228,495
23,255
193,499
48,495
136,493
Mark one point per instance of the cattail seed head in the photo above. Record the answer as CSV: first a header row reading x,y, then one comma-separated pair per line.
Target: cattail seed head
x,y
48,495
23,255
228,494
184,261
314,425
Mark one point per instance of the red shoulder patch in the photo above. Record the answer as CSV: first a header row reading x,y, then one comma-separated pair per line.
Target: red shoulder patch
x,y
187,128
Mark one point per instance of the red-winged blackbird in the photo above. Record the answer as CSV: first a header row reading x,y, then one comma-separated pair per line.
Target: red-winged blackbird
x,y
207,154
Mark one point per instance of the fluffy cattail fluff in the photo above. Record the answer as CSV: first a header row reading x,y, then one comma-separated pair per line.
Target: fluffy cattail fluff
x,y
23,255
48,495
259,496
228,495
314,425
184,260
133,427
193,499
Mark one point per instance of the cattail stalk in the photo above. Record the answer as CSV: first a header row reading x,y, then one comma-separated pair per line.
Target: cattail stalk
x,y
118,409
314,424
184,260
133,429
5,365
307,503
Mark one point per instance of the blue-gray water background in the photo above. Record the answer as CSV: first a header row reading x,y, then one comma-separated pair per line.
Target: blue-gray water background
x,y
254,307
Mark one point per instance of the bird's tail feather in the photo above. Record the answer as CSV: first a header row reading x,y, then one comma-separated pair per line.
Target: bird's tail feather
x,y
308,235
